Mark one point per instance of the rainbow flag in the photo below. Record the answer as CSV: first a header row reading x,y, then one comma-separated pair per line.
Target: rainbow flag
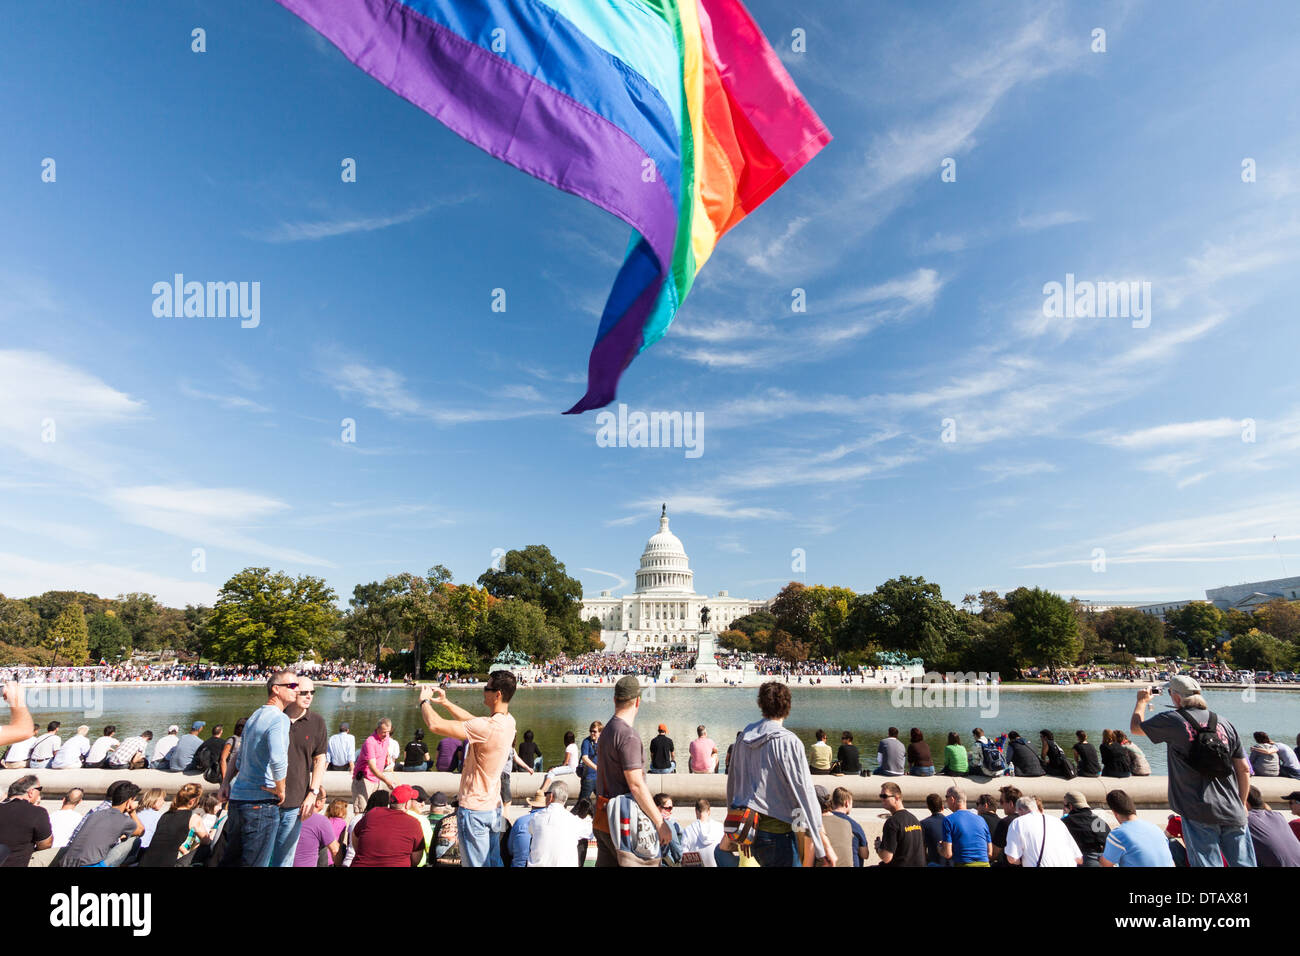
x,y
674,115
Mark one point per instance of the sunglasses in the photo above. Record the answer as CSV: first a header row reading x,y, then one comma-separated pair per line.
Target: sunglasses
x,y
290,686
302,692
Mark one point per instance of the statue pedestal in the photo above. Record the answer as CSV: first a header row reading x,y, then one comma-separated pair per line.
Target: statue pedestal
x,y
706,662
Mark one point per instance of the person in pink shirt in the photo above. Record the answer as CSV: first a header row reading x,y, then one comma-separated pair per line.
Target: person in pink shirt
x,y
371,768
490,745
704,752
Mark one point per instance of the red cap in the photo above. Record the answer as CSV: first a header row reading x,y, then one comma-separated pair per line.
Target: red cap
x,y
403,793
663,728
1175,825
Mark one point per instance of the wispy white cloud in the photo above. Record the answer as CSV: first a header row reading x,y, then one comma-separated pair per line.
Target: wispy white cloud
x,y
23,575
622,581
237,402
385,390
310,231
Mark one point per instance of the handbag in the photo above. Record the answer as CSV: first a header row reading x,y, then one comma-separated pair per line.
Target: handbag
x,y
741,825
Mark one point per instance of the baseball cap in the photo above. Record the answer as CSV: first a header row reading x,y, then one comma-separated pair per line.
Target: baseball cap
x,y
1293,796
822,792
173,729
627,688
1076,799
439,801
403,793
198,725
663,728
1183,686
345,726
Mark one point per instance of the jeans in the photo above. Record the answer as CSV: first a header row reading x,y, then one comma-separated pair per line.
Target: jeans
x,y
774,849
415,767
671,768
587,789
39,764
1209,844
884,773
923,771
251,830
122,852
286,836
480,837
1288,772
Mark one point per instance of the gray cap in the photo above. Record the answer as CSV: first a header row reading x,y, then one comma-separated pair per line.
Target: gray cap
x,y
1184,686
627,688
1076,799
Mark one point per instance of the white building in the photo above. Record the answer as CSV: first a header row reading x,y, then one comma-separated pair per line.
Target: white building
x,y
1253,594
664,611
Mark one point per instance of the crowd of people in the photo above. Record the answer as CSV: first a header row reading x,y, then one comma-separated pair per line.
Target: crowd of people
x,y
271,808
134,672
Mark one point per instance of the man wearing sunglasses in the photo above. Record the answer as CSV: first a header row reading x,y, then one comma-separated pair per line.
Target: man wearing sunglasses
x,y
258,787
490,738
24,823
308,746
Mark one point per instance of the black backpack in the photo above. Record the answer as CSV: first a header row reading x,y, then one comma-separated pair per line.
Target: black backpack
x,y
1059,762
1209,755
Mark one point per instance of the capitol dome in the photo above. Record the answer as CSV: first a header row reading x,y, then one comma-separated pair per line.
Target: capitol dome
x,y
664,565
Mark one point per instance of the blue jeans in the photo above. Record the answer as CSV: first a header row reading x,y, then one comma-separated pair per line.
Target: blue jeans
x,y
671,768
39,764
251,828
480,836
587,789
415,767
923,771
286,836
1209,844
774,849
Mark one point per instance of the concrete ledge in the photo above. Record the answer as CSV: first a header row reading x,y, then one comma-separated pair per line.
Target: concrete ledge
x,y
1147,792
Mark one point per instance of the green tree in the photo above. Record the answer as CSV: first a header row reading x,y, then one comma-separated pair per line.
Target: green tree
x,y
751,624
903,614
1044,627
1198,625
19,623
1141,634
1258,651
107,638
379,614
268,619
1281,618
67,636
142,615
536,576
523,626
793,609
447,657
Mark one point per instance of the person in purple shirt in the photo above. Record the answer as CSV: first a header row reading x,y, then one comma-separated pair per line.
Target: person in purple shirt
x,y
451,753
317,834
1275,844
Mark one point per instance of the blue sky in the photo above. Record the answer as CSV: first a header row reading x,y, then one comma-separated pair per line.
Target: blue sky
x,y
823,430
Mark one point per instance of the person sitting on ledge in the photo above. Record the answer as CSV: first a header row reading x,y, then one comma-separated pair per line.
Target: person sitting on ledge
x,y
918,755
819,758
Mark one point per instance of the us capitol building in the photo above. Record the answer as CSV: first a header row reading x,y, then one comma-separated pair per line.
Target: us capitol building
x,y
664,612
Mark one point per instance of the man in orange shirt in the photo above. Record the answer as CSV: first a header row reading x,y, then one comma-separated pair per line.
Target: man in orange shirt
x,y
490,738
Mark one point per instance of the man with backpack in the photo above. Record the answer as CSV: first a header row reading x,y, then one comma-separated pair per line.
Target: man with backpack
x,y
1209,776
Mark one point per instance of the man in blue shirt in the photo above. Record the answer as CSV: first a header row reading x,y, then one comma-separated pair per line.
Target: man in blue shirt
x,y
520,840
1134,842
966,839
258,786
587,760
